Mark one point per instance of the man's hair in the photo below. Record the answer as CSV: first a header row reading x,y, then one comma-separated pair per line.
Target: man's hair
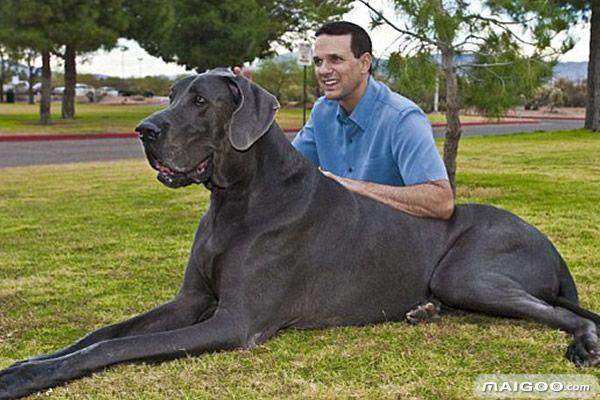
x,y
360,42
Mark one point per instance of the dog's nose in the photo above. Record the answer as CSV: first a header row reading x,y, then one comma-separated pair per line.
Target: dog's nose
x,y
147,131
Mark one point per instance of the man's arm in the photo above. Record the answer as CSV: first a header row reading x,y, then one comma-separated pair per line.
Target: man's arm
x,y
432,199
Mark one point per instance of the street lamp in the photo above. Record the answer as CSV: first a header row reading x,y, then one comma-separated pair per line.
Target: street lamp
x,y
123,49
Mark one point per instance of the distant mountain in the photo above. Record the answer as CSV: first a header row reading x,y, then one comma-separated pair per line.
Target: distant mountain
x,y
573,71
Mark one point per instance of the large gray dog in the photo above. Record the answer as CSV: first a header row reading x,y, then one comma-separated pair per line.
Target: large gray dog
x,y
281,245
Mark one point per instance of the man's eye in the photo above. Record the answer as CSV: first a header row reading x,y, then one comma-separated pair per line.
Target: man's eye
x,y
199,100
317,61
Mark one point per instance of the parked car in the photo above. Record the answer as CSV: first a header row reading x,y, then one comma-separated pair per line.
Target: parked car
x,y
81,89
37,88
107,91
59,90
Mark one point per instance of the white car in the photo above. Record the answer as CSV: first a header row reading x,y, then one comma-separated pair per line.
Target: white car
x,y
107,91
81,89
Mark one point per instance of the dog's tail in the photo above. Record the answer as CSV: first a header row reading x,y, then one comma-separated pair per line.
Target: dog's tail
x,y
563,302
567,296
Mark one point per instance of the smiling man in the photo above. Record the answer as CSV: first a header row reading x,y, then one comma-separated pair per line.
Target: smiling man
x,y
370,139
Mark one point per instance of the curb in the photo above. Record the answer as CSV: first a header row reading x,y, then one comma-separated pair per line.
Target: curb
x,y
542,117
68,136
482,123
132,135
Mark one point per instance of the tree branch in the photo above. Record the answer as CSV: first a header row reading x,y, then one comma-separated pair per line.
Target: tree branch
x,y
403,31
495,20
503,25
485,65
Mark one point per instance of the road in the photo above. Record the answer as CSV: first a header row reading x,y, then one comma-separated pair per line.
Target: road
x,y
25,153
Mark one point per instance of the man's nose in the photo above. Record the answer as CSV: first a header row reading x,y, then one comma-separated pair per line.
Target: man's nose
x,y
148,131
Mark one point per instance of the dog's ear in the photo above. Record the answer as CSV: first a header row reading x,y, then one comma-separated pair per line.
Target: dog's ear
x,y
254,114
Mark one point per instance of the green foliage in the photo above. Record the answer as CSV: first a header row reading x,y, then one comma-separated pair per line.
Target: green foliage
x,y
149,22
87,25
414,77
50,24
285,80
501,76
27,23
212,33
495,32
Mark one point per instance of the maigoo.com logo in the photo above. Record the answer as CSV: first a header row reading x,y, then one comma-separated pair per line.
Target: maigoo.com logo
x,y
536,386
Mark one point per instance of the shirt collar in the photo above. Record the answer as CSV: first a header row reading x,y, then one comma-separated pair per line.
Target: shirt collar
x,y
363,111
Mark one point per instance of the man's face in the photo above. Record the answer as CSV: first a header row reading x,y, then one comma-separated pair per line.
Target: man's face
x,y
340,74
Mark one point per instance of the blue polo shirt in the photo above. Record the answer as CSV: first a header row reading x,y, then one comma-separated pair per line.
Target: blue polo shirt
x,y
387,139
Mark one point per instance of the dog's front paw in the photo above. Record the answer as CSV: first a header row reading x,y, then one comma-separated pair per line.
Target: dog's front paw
x,y
23,379
425,312
12,382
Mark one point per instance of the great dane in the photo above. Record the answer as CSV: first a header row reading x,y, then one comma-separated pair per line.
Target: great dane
x,y
283,246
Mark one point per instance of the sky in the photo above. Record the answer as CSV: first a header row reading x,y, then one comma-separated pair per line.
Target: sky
x,y
129,59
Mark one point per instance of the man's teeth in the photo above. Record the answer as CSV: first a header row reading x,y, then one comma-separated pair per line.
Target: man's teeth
x,y
330,82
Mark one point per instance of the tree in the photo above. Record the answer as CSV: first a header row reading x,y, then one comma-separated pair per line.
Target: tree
x,y
414,76
276,76
284,78
454,27
212,33
2,71
28,24
84,26
27,56
512,78
590,9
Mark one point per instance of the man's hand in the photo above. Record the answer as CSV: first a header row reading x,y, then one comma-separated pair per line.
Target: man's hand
x,y
432,199
245,72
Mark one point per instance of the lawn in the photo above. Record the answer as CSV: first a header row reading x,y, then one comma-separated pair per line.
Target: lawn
x,y
23,118
85,245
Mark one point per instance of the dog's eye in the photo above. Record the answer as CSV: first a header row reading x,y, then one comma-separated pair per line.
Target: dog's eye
x,y
199,100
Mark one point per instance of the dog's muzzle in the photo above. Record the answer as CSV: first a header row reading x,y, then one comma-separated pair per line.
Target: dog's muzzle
x,y
172,178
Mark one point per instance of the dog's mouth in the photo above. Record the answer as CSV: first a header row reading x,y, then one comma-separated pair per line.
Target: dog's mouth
x,y
174,178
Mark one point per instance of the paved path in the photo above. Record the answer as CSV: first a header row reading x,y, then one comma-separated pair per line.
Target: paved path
x,y
67,151
22,153
543,125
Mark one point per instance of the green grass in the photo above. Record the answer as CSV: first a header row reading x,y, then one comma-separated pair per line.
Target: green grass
x,y
89,118
23,118
85,245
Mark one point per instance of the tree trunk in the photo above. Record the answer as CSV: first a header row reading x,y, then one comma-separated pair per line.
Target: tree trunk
x,y
46,87
453,128
592,112
68,100
2,77
30,79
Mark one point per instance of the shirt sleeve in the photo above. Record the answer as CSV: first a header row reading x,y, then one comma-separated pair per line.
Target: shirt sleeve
x,y
304,142
414,149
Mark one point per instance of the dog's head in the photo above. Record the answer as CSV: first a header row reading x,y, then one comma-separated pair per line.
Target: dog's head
x,y
211,118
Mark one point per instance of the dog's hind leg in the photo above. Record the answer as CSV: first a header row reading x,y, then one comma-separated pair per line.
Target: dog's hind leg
x,y
502,296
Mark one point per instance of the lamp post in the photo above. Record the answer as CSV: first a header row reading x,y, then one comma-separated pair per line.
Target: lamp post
x,y
123,49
